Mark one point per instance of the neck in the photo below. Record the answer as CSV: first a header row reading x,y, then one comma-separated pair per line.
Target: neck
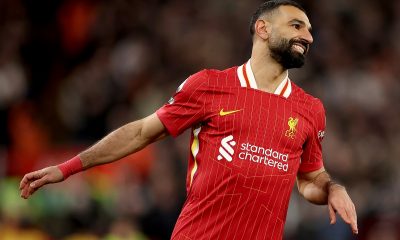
x,y
267,72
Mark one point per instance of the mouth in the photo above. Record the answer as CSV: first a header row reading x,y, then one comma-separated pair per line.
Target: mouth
x,y
299,47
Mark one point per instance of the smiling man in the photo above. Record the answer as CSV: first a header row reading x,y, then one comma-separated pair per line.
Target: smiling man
x,y
254,133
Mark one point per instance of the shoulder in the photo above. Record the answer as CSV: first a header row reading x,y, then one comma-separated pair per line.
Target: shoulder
x,y
194,82
313,103
313,108
215,77
216,73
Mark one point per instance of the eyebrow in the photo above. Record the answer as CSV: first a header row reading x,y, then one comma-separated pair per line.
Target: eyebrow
x,y
301,23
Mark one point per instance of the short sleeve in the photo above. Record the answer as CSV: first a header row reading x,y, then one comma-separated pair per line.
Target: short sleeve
x,y
311,158
187,107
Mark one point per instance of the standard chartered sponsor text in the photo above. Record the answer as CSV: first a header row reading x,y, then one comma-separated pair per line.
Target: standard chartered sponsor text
x,y
266,156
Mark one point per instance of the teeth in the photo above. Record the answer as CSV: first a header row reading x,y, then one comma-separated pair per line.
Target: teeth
x,y
299,48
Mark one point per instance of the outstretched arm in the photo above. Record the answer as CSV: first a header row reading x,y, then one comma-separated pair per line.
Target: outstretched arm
x,y
127,139
318,188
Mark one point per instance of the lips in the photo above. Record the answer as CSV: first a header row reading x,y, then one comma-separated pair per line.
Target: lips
x,y
300,47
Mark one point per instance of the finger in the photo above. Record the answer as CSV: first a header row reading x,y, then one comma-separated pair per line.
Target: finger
x,y
343,214
353,220
351,212
38,183
36,174
33,186
332,215
25,192
23,182
31,176
26,179
23,195
31,191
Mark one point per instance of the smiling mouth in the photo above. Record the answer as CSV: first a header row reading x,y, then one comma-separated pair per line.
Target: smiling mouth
x,y
300,47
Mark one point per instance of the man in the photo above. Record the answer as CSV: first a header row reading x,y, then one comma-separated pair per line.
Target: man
x,y
253,133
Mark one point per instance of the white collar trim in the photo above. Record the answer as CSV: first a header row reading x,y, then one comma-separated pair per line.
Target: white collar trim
x,y
285,87
247,79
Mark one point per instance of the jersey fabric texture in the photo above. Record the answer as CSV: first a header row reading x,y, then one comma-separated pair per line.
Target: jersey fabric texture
x,y
246,149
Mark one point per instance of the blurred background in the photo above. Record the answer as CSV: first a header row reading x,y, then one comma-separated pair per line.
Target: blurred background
x,y
73,70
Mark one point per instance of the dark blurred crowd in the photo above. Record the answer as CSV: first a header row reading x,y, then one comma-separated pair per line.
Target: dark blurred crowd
x,y
73,70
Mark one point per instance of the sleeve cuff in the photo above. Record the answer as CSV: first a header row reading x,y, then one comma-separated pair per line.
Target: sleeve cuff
x,y
170,127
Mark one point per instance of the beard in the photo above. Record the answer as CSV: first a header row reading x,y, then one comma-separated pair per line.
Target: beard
x,y
283,53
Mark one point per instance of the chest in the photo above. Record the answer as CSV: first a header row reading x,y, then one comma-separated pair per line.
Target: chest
x,y
262,119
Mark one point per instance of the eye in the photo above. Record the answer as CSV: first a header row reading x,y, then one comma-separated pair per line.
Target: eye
x,y
296,25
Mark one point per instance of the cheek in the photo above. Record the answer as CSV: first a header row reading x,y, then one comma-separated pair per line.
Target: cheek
x,y
272,37
277,43
273,41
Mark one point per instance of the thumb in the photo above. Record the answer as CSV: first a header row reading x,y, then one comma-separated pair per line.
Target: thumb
x,y
332,214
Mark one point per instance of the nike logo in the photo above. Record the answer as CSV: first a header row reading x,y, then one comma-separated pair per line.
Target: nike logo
x,y
223,113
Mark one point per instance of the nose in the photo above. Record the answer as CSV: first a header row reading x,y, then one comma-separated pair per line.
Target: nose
x,y
308,36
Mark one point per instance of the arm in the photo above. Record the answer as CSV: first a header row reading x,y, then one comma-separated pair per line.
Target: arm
x,y
127,139
318,188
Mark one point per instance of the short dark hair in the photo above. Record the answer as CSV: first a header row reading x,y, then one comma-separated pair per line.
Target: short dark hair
x,y
268,7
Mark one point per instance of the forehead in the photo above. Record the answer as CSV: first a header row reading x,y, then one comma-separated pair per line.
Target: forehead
x,y
290,13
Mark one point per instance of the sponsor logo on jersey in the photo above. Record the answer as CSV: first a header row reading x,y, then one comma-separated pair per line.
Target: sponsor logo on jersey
x,y
291,132
253,153
224,113
226,149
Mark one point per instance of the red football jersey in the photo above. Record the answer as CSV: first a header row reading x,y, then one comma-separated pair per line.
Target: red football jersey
x,y
247,147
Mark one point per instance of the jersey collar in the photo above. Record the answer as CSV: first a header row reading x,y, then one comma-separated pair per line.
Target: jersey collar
x,y
247,79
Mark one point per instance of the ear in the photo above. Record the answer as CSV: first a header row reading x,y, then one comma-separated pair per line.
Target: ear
x,y
262,29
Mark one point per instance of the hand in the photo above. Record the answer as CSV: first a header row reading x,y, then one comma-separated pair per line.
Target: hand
x,y
35,180
340,202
